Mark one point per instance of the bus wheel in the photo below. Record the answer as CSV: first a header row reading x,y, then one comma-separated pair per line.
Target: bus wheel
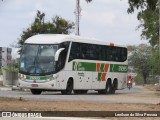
x,y
80,91
114,87
108,88
68,89
112,90
36,91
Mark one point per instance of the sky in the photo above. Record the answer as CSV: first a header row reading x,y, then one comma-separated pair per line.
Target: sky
x,y
101,19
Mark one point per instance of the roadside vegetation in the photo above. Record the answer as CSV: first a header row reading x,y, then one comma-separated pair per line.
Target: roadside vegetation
x,y
57,25
1,72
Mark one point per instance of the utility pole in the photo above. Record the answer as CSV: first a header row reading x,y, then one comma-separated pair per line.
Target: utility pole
x,y
77,14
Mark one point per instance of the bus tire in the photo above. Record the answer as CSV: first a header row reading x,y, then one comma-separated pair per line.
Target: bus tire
x,y
108,87
68,89
36,91
80,91
114,87
112,90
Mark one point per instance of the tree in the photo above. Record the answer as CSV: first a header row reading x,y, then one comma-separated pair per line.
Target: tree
x,y
150,26
148,16
140,59
155,62
58,25
141,5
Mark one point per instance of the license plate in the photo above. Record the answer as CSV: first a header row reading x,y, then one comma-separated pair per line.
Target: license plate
x,y
34,85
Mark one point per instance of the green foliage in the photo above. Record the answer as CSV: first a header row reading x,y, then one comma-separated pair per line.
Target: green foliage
x,y
58,25
155,61
148,16
139,79
10,68
149,22
150,26
0,71
141,5
146,60
140,59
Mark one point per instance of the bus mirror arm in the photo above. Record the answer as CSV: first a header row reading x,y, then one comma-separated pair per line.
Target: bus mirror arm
x,y
58,53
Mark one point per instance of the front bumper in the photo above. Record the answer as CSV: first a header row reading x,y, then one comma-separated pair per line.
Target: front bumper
x,y
49,85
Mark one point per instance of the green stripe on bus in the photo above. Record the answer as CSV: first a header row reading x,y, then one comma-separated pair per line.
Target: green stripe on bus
x,y
37,77
84,66
99,76
102,68
118,68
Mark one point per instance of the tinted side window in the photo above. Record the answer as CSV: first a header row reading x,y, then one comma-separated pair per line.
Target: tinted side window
x,y
90,51
123,54
75,51
97,52
83,51
118,54
110,53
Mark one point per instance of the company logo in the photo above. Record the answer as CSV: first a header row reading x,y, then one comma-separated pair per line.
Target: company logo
x,y
75,66
34,78
78,67
81,74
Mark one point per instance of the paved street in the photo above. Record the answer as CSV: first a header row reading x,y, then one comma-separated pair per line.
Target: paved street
x,y
134,95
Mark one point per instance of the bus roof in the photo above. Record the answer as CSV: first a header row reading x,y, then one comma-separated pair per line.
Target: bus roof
x,y
59,38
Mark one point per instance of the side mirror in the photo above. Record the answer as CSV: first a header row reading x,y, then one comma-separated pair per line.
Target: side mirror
x,y
58,53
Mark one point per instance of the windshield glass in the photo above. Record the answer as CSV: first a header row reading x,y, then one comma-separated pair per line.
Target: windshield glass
x,y
38,59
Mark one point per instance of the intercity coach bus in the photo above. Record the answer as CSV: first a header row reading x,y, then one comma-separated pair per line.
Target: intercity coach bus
x,y
69,63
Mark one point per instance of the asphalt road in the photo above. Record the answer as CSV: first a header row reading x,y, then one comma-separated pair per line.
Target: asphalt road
x,y
92,96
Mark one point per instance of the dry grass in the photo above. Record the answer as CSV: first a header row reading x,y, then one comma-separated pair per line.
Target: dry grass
x,y
21,104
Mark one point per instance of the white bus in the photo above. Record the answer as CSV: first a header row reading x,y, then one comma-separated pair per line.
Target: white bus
x,y
69,63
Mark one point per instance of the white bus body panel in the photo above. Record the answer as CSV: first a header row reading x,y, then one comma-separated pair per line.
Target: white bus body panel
x,y
81,79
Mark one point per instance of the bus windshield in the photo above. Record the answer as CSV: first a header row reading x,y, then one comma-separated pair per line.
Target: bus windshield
x,y
38,59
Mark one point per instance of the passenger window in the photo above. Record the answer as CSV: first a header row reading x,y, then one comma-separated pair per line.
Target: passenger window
x,y
75,51
124,54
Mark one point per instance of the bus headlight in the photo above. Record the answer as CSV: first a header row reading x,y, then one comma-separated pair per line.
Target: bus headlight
x,y
55,76
52,77
22,77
